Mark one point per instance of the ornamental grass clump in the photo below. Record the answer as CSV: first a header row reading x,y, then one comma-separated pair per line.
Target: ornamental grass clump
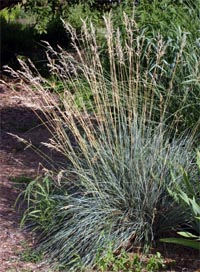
x,y
113,125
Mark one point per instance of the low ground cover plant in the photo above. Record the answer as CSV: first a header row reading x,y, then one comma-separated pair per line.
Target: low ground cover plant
x,y
129,262
121,144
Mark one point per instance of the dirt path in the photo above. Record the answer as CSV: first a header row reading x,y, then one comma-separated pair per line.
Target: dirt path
x,y
16,161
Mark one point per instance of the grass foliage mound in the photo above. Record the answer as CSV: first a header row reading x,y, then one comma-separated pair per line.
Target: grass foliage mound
x,y
118,126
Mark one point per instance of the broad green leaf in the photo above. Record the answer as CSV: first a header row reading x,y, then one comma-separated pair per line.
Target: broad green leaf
x,y
186,179
195,206
198,159
183,242
187,234
184,197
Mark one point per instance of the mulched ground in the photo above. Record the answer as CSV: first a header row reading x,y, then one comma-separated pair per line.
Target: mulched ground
x,y
16,160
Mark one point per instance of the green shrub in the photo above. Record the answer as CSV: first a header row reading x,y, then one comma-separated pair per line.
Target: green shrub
x,y
19,40
56,34
16,40
120,152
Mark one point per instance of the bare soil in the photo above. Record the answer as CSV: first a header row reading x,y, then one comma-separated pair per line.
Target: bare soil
x,y
17,160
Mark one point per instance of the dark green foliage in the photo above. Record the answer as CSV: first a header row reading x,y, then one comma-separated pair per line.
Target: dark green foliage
x,y
56,34
47,11
19,40
16,40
